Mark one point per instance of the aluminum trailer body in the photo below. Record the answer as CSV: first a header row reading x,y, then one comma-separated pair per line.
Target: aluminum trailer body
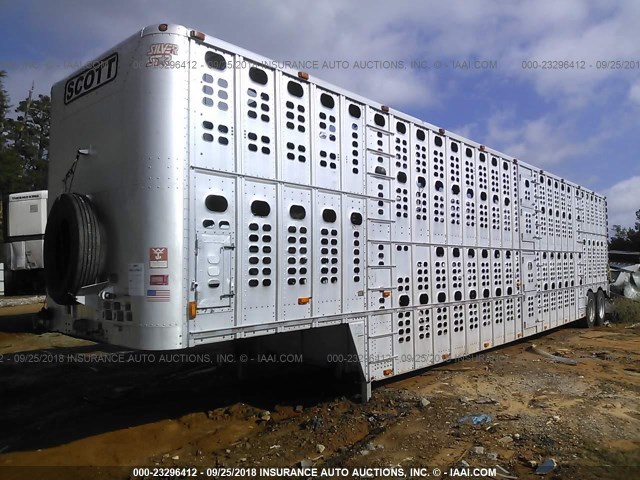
x,y
235,199
25,220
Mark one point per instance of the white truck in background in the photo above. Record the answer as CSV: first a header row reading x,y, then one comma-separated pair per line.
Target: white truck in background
x,y
25,220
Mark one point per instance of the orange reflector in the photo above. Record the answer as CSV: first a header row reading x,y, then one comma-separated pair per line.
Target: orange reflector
x,y
303,75
192,310
163,27
196,34
487,344
545,327
387,372
445,356
441,131
519,335
386,293
384,108
482,148
303,300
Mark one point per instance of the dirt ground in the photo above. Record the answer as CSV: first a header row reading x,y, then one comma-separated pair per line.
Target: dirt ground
x,y
77,414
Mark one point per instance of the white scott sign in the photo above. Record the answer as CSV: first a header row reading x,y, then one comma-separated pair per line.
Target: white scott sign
x,y
98,74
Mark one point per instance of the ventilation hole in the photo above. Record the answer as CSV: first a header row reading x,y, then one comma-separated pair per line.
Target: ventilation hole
x,y
421,182
404,300
207,125
402,177
216,203
439,186
456,252
379,120
401,128
356,218
438,141
381,170
420,135
498,292
253,282
424,298
455,189
442,297
327,100
260,208
295,89
207,137
329,215
208,223
215,60
258,75
355,111
457,296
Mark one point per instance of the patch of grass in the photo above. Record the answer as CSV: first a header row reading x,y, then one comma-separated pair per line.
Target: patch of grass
x,y
625,310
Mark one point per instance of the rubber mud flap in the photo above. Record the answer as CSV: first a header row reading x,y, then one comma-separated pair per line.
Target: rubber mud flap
x,y
74,247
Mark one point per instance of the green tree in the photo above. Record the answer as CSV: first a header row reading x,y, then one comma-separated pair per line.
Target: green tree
x,y
28,136
4,107
24,144
627,239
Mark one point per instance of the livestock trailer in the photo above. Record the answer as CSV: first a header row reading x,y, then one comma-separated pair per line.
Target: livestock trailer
x,y
203,195
24,222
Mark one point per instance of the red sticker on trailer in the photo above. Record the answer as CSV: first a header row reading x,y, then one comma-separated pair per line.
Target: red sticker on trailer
x,y
158,257
159,280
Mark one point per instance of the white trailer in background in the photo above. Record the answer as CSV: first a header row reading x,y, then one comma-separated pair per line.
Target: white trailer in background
x,y
214,198
25,220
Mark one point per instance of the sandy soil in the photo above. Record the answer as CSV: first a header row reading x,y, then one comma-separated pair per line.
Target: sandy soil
x,y
129,413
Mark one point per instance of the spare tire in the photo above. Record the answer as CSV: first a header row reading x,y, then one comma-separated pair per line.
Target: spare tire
x,y
74,247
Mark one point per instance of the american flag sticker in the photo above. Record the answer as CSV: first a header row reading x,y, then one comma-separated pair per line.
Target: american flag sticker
x,y
159,295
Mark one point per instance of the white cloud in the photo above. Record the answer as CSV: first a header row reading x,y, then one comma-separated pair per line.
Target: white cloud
x,y
544,141
634,93
623,200
503,31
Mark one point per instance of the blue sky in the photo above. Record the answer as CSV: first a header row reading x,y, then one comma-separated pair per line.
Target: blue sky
x,y
582,124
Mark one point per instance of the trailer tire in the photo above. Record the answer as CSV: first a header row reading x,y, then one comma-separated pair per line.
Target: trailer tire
x,y
590,313
600,307
74,247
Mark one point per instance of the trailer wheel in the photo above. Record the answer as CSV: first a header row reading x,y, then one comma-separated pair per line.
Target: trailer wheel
x,y
74,247
590,317
600,307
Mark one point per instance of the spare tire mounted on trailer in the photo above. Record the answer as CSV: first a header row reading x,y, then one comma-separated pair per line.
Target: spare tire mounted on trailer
x,y
74,247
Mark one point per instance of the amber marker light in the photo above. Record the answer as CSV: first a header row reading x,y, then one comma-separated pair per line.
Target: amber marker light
x,y
196,34
163,27
192,310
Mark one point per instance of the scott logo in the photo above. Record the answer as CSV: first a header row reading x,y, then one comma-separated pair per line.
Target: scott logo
x,y
97,75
